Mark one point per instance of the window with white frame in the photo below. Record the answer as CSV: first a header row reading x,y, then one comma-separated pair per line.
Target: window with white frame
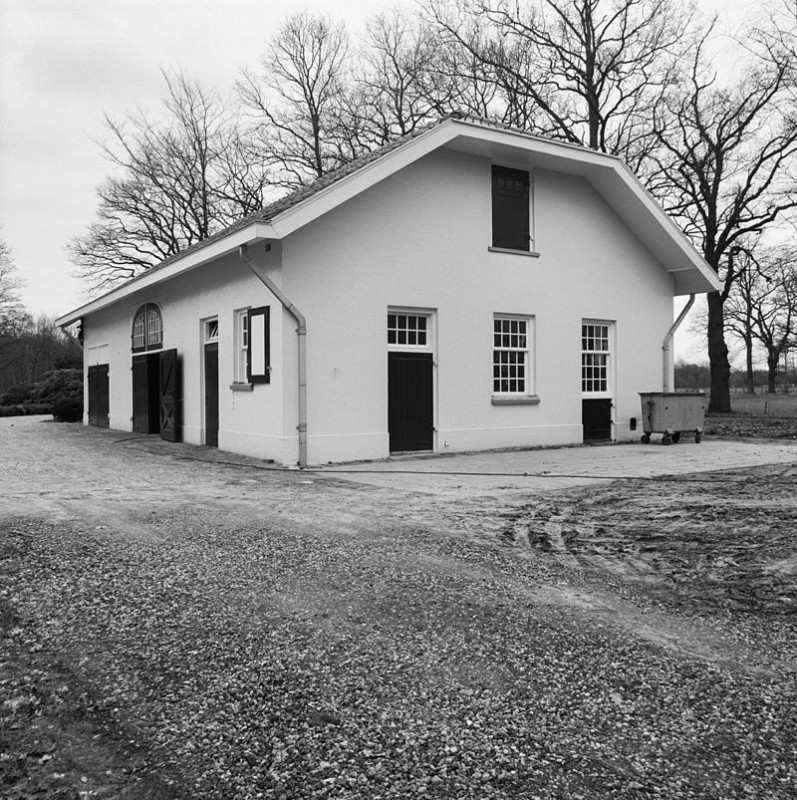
x,y
241,345
147,328
595,352
511,355
211,331
408,330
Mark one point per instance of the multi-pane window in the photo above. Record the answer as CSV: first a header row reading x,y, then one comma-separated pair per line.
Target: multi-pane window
x,y
407,329
147,328
511,355
594,357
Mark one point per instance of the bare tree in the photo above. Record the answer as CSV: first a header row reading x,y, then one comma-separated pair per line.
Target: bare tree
x,y
740,308
590,70
13,316
726,170
12,312
300,101
774,306
177,180
396,83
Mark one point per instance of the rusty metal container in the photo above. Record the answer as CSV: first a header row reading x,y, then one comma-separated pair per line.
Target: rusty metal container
x,y
672,414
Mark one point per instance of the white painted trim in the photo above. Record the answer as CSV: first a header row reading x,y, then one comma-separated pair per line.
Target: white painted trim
x,y
509,251
429,314
215,248
612,179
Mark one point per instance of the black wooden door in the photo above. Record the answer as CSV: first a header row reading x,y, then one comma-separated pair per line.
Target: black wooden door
x,y
212,394
410,406
146,411
169,396
596,417
98,395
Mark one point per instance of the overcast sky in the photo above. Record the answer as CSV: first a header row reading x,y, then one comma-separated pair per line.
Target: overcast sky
x,y
65,62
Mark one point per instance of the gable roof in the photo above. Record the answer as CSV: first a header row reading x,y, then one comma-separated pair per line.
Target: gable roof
x,y
608,175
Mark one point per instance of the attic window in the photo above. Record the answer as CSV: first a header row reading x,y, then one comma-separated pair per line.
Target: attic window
x,y
147,328
511,209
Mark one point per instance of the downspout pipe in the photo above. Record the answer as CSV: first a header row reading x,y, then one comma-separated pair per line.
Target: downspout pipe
x,y
667,346
301,336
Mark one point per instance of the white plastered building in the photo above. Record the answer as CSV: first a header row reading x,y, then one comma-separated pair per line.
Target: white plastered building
x,y
467,287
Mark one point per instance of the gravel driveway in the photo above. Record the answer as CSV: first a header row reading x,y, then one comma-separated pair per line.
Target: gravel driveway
x,y
183,623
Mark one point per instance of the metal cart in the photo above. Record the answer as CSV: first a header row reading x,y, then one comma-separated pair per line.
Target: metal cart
x,y
671,414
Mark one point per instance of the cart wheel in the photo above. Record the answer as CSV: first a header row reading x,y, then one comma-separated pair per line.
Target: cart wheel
x,y
645,439
698,437
666,439
676,437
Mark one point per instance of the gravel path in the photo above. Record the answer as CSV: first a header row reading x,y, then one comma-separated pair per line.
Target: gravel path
x,y
181,624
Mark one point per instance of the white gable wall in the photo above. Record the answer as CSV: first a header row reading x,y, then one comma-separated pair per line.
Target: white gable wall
x,y
420,239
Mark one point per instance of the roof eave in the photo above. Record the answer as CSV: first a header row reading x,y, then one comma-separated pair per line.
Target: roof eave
x,y
209,251
690,281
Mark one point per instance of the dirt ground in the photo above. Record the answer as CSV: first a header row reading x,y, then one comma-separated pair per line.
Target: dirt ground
x,y
179,622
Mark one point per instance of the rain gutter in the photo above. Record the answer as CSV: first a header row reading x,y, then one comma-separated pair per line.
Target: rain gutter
x,y
301,337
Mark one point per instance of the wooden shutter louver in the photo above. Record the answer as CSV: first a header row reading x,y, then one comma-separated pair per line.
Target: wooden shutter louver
x,y
258,361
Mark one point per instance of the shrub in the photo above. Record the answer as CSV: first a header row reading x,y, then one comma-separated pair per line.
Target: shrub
x,y
38,408
16,395
11,411
68,409
60,384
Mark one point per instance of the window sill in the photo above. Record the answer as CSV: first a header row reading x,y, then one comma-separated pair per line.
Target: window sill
x,y
241,387
520,400
527,253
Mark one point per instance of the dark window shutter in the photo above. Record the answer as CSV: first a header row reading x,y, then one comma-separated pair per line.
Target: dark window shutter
x,y
258,361
510,208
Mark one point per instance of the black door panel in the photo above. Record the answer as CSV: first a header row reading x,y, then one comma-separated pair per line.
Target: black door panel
x,y
145,394
410,401
99,390
212,395
596,417
169,396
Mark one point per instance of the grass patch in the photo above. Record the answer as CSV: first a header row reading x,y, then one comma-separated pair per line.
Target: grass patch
x,y
765,405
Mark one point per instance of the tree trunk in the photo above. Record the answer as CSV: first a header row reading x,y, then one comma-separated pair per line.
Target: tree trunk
x,y
720,398
772,371
748,346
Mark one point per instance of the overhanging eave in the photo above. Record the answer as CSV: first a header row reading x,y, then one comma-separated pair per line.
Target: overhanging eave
x,y
203,253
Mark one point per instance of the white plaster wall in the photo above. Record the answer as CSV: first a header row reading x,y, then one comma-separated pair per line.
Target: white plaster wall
x,y
249,422
420,239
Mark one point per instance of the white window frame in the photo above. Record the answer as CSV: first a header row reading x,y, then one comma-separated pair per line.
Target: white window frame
x,y
427,314
210,330
147,330
527,391
241,342
596,355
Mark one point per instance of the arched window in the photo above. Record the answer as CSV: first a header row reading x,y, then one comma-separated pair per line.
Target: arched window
x,y
147,328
